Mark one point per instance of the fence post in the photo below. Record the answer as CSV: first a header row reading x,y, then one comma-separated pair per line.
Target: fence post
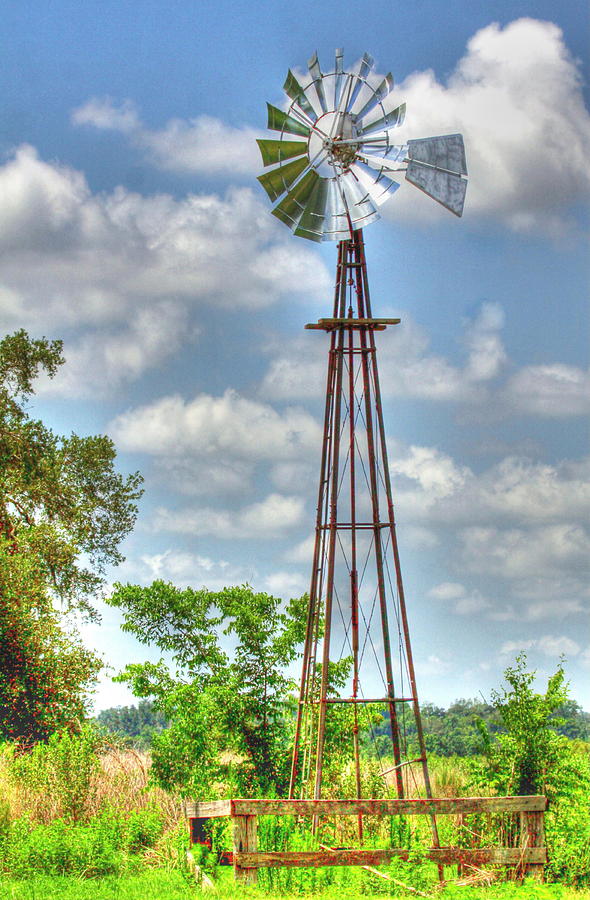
x,y
532,834
245,841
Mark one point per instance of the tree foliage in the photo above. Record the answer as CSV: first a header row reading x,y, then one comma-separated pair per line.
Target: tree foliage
x,y
61,502
60,497
227,710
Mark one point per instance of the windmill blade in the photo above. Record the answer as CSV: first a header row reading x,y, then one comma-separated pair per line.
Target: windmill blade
x,y
380,92
365,68
444,152
389,120
294,90
280,121
338,78
336,221
446,188
311,223
277,151
361,208
316,76
380,188
291,207
392,159
280,180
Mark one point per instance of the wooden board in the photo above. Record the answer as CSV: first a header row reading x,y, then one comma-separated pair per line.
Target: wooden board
x,y
438,806
207,809
493,856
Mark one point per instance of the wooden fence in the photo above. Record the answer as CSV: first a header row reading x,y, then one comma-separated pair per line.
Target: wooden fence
x,y
530,856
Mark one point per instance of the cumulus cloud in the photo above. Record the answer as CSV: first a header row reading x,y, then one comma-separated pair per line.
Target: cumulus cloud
x,y
516,97
202,145
463,602
520,553
517,489
207,424
484,386
82,262
555,390
269,518
548,645
408,367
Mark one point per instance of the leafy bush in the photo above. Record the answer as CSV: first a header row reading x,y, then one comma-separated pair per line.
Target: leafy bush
x,y
109,844
61,769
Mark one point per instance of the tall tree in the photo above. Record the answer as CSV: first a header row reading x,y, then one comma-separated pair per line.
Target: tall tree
x,y
61,502
227,710
60,497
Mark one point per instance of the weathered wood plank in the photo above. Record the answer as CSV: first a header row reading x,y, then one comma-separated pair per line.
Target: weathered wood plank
x,y
207,809
532,835
436,806
245,846
314,858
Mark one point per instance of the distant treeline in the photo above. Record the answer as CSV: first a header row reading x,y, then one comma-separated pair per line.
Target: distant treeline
x,y
138,724
449,732
458,730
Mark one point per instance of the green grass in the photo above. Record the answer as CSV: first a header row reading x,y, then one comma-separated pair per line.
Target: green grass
x,y
160,885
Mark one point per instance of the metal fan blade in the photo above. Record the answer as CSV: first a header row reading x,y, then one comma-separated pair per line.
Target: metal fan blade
x,y
280,121
336,221
444,152
311,223
446,188
392,159
294,90
361,208
291,207
378,186
338,72
389,120
280,180
365,68
316,75
277,151
380,92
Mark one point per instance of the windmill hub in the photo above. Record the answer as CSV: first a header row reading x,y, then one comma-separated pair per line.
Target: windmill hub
x,y
327,155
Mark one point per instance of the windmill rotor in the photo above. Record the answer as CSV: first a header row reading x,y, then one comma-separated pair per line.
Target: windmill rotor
x,y
331,167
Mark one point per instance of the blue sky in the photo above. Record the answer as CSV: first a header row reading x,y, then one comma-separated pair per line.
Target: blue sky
x,y
133,227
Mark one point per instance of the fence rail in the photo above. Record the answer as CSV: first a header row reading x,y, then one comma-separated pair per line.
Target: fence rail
x,y
530,855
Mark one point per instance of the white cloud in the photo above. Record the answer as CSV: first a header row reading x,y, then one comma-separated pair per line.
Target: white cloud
x,y
519,552
464,603
230,426
81,263
447,590
555,390
190,569
516,97
548,645
514,490
203,145
269,518
285,584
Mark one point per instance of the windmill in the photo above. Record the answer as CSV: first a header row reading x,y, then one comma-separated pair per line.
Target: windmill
x,y
332,165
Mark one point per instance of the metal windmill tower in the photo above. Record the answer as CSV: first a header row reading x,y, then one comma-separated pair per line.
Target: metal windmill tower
x,y
329,169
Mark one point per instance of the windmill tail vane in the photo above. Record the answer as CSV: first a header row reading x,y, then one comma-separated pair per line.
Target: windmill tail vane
x,y
334,161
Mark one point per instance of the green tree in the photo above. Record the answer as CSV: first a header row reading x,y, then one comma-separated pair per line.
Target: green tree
x,y
524,758
63,513
45,671
61,500
227,711
532,758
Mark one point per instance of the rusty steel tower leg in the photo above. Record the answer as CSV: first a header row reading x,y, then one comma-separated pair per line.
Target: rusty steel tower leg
x,y
356,553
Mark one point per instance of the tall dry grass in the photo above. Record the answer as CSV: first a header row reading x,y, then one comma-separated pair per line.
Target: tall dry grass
x,y
119,781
